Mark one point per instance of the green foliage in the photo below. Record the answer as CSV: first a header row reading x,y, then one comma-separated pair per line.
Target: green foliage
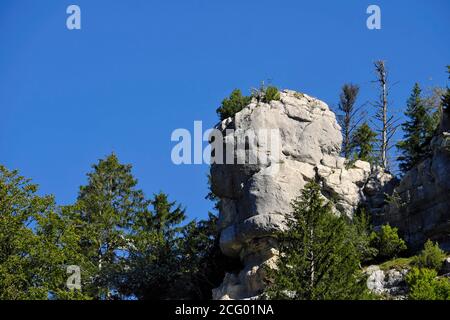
x,y
36,243
397,263
105,210
271,93
431,256
361,231
362,143
416,130
204,263
446,96
317,258
154,258
423,284
124,244
235,103
387,242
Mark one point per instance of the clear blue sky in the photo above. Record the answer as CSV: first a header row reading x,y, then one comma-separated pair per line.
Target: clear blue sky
x,y
137,70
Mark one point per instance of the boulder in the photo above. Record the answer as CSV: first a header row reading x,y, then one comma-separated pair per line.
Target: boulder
x,y
390,283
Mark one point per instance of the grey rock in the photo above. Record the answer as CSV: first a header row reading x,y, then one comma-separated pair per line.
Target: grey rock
x,y
255,199
446,266
420,205
390,283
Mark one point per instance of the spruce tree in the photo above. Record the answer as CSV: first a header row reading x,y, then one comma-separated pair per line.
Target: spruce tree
x,y
105,210
154,264
362,143
416,131
317,258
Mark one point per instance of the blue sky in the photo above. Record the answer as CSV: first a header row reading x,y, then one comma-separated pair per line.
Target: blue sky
x,y
139,69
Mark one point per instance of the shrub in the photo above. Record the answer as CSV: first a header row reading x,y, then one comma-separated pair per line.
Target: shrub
x,y
431,256
387,242
271,93
424,285
233,104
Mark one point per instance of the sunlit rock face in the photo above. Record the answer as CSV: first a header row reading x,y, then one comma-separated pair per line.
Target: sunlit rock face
x,y
298,140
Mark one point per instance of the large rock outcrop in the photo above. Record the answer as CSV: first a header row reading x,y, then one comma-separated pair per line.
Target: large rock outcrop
x,y
420,205
256,197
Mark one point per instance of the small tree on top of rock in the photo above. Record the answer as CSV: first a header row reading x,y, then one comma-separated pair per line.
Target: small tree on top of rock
x,y
266,94
271,93
317,258
233,104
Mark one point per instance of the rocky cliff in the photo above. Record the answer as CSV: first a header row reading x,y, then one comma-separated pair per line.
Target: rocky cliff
x,y
420,205
255,198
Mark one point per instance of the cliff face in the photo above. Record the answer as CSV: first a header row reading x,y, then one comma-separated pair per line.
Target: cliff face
x,y
255,198
420,205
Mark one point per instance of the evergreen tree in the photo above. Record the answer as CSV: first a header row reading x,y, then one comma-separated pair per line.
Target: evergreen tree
x,y
446,98
362,143
155,262
203,262
317,258
347,121
423,284
431,256
235,103
105,210
387,242
416,131
361,235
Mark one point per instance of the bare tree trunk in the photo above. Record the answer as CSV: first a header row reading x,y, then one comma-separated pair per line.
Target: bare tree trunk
x,y
384,103
388,127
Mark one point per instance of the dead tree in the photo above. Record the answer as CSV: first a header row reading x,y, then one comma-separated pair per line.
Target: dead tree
x,y
349,120
387,124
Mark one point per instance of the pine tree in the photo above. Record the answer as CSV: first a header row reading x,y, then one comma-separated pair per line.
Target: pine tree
x,y
347,121
416,131
317,258
362,143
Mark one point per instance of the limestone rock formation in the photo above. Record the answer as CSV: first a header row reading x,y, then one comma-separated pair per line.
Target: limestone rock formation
x,y
256,197
390,283
420,205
